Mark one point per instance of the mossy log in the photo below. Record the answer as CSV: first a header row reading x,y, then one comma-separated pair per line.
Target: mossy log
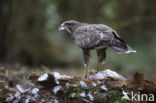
x,y
103,87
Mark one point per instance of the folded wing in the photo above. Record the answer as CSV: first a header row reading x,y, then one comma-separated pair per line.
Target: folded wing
x,y
94,36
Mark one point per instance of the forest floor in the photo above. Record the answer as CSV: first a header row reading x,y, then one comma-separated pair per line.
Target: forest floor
x,y
20,84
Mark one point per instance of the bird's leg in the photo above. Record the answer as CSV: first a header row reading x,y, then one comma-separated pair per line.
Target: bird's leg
x,y
86,57
101,53
86,70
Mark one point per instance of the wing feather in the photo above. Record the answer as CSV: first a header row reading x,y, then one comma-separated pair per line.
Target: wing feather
x,y
90,35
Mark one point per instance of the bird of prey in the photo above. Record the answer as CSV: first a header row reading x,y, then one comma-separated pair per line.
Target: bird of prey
x,y
95,36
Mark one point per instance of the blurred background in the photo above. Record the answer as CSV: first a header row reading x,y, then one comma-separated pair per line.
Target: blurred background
x,y
29,34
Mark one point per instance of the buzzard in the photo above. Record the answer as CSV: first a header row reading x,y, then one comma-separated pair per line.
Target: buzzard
x,y
95,36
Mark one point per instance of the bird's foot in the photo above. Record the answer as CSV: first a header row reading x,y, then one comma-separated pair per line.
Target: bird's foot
x,y
97,70
86,76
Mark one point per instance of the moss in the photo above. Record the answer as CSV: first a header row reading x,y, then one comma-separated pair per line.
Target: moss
x,y
110,97
101,96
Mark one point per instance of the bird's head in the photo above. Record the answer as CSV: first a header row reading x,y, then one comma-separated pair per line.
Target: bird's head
x,y
68,25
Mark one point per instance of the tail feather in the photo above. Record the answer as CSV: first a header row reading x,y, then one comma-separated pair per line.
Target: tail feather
x,y
129,49
122,47
123,50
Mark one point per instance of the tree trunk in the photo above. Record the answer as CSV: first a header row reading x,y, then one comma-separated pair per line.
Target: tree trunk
x,y
5,10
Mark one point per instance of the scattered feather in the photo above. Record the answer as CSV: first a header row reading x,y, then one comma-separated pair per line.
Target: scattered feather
x,y
117,101
35,91
104,88
106,73
67,84
74,85
98,82
28,99
94,84
57,76
56,89
43,77
20,88
73,95
83,84
55,100
95,93
91,98
82,94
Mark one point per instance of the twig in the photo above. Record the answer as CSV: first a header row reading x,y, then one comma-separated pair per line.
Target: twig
x,y
85,100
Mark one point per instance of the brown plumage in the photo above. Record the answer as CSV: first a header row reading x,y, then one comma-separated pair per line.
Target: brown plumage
x,y
95,36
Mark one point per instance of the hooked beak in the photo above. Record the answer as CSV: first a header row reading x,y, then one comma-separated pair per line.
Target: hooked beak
x,y
61,27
